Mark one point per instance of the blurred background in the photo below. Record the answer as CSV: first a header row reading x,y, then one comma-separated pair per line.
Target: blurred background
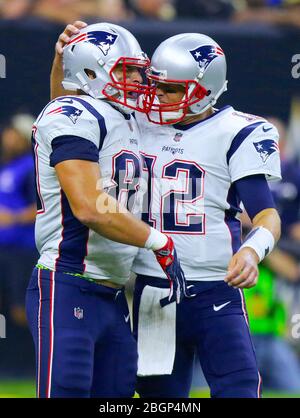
x,y
261,39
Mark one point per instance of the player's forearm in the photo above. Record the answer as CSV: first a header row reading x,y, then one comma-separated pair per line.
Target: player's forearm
x,y
270,220
105,216
264,235
56,77
93,207
242,268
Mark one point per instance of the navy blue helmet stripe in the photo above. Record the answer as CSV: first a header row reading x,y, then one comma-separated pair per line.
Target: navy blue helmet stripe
x,y
239,139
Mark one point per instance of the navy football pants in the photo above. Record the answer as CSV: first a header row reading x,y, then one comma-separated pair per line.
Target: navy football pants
x,y
83,342
220,338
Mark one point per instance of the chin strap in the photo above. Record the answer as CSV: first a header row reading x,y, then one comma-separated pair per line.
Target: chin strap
x,y
121,107
212,102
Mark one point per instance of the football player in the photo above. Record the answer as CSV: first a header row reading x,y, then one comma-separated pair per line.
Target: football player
x,y
88,176
202,162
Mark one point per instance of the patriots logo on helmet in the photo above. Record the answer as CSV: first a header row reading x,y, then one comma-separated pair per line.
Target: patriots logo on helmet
x,y
266,148
205,54
70,111
102,39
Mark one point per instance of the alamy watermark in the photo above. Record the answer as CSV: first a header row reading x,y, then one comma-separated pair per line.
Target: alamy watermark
x,y
296,66
2,66
296,327
2,326
181,196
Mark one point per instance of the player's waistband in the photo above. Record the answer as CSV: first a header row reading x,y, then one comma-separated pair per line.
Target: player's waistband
x,y
103,282
197,286
99,286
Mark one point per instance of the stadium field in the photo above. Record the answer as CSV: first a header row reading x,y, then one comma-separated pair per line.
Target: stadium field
x,y
26,389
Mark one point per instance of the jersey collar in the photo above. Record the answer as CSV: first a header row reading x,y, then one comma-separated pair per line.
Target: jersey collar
x,y
191,125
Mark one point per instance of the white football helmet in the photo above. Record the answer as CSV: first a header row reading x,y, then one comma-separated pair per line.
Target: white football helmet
x,y
193,60
99,49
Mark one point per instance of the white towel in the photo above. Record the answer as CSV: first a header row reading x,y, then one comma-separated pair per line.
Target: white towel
x,y
156,333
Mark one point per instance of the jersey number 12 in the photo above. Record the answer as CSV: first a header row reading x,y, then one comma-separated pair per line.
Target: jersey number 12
x,y
180,208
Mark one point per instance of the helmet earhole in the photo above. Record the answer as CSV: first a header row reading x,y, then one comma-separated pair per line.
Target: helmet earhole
x,y
90,73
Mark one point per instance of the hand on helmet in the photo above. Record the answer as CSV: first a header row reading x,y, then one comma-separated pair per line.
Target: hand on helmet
x,y
65,37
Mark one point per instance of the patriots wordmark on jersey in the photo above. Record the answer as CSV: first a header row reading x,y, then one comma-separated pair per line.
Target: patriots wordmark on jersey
x,y
190,171
81,127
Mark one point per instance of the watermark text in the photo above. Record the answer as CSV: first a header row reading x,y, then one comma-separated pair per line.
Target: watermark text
x,y
2,326
2,66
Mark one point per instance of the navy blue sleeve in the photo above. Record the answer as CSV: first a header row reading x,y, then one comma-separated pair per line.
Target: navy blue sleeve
x,y
67,147
255,194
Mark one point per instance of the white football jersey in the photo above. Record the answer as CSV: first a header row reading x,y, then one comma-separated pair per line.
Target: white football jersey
x,y
190,171
83,128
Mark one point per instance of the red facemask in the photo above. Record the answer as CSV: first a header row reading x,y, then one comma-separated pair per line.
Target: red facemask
x,y
130,91
157,112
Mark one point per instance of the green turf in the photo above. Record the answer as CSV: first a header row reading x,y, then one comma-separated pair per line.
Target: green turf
x,y
26,389
17,389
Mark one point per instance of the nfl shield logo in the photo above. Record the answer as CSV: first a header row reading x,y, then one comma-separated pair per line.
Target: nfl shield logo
x,y
78,313
177,137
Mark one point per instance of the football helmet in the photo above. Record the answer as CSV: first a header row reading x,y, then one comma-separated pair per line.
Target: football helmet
x,y
194,61
99,50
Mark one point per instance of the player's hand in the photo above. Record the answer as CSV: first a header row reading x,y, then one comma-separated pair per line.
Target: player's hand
x,y
242,269
65,37
167,258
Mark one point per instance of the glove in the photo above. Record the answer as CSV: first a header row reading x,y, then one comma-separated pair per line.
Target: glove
x,y
167,258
